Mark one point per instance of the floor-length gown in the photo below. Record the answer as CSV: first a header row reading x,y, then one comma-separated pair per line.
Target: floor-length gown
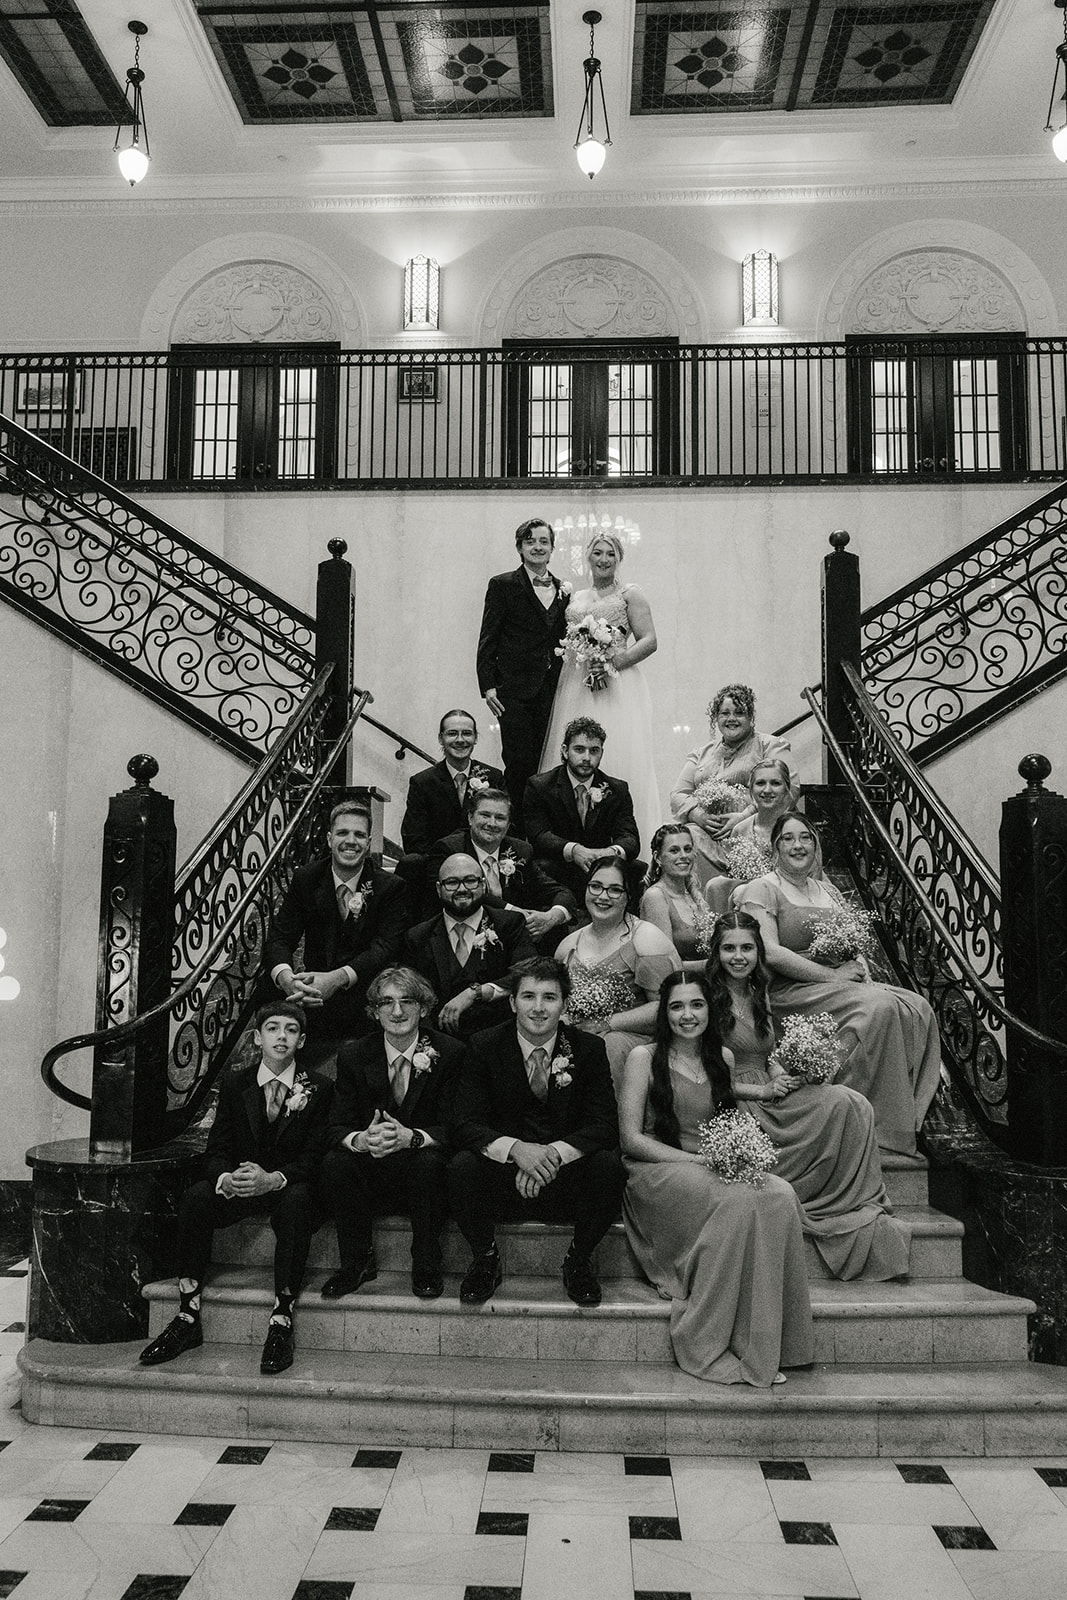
x,y
723,763
892,1052
729,1257
621,979
824,1135
623,707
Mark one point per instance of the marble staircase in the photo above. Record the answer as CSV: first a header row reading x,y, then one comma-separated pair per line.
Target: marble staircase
x,y
931,1366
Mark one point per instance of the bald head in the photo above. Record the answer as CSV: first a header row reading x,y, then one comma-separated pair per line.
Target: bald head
x,y
460,885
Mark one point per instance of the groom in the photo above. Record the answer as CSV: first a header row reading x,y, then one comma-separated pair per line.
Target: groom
x,y
523,620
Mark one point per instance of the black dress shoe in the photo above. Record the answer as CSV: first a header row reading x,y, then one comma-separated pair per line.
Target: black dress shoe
x,y
178,1336
278,1348
427,1285
349,1279
580,1281
481,1279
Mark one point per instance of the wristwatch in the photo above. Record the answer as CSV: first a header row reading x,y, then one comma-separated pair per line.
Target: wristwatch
x,y
418,1139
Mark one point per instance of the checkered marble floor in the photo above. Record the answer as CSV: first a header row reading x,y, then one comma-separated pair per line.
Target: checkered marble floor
x,y
116,1516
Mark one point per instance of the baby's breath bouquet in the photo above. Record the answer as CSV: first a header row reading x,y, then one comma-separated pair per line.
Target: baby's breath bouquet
x,y
736,1149
719,797
745,861
597,995
845,934
705,921
808,1049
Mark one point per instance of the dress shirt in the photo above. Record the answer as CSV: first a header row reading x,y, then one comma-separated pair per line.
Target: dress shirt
x,y
546,593
392,1056
348,883
590,783
264,1077
500,1149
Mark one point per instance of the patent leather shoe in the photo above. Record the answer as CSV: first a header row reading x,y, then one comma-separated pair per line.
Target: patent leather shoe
x,y
580,1281
427,1285
481,1279
277,1348
177,1337
349,1279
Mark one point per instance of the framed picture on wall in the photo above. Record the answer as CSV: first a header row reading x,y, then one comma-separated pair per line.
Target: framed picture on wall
x,y
418,383
48,391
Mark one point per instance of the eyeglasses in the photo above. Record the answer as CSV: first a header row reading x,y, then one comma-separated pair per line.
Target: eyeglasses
x,y
460,883
398,1004
606,891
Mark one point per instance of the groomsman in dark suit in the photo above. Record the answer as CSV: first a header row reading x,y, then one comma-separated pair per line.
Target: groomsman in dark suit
x,y
262,1159
467,950
388,1150
437,797
513,879
523,621
575,814
351,917
536,1122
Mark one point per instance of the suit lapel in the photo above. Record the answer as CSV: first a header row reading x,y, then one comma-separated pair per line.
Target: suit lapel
x,y
570,804
544,612
255,1105
443,954
376,1072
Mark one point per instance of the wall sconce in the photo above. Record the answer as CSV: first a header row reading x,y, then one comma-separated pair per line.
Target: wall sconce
x,y
134,158
422,290
591,150
1059,136
759,290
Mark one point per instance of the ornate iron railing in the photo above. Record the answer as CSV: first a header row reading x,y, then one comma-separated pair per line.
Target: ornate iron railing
x,y
120,584
937,900
226,896
282,418
975,635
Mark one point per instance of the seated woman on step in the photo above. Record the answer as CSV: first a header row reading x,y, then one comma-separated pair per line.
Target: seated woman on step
x,y
823,1132
892,1048
729,1256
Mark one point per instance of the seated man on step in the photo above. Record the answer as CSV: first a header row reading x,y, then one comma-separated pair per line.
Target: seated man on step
x,y
513,878
576,815
538,1133
262,1159
387,1134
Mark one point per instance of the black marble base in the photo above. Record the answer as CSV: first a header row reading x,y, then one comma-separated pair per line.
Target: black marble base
x,y
102,1229
16,1208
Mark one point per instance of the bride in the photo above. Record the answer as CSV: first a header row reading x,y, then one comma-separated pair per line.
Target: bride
x,y
621,703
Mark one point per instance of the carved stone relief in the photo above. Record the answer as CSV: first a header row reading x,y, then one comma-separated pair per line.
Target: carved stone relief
x,y
589,296
255,302
933,291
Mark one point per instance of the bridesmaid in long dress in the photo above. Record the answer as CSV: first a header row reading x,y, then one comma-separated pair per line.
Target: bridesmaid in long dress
x,y
892,1047
617,964
621,704
672,901
728,1256
772,797
824,1133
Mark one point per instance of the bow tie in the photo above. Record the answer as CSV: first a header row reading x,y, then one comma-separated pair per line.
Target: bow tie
x,y
542,583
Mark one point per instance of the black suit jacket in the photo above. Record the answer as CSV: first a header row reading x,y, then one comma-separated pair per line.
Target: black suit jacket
x,y
433,807
362,1088
293,1145
528,886
552,820
518,638
428,949
494,1098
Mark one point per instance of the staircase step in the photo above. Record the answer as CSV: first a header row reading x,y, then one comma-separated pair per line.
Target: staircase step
x,y
1011,1409
928,1321
906,1179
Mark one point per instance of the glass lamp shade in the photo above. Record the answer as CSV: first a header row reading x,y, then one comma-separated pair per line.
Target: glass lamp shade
x,y
133,164
1059,144
591,156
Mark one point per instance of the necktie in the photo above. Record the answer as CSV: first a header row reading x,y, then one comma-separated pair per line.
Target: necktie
x,y
342,900
276,1093
461,786
581,794
537,1067
492,876
401,1073
463,943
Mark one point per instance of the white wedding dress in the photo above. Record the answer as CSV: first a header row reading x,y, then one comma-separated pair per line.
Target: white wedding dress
x,y
624,710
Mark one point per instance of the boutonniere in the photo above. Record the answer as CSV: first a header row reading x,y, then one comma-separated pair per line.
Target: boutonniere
x,y
596,792
560,1066
565,590
424,1057
358,898
485,937
299,1094
506,864
479,777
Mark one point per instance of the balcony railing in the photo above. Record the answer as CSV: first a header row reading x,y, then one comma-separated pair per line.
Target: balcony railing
x,y
976,408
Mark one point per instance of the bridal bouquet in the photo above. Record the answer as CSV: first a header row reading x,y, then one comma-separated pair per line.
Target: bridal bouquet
x,y
589,644
717,796
842,936
809,1048
745,861
596,996
736,1149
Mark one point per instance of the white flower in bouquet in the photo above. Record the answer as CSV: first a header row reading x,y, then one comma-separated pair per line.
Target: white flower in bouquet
x,y
809,1048
745,861
719,797
596,996
736,1149
841,936
589,644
